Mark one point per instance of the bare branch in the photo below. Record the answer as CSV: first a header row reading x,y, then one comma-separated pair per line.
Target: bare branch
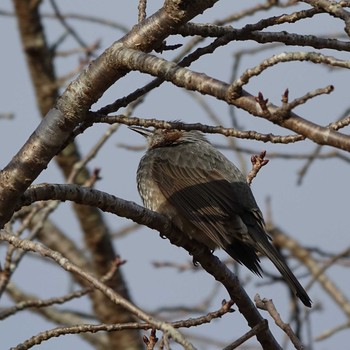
x,y
110,293
270,307
156,221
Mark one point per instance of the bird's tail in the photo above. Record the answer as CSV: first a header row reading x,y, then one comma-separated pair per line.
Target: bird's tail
x,y
270,251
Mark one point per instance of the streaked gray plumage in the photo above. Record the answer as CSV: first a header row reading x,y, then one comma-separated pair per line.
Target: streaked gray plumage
x,y
185,178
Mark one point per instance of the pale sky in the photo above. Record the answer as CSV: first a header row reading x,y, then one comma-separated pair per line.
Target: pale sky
x,y
315,213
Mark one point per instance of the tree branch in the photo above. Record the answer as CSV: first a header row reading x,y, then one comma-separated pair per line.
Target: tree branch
x,y
141,215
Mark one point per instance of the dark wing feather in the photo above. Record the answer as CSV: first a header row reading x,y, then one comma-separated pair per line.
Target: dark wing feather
x,y
208,201
199,195
214,205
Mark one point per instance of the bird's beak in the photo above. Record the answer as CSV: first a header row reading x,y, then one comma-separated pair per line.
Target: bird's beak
x,y
144,132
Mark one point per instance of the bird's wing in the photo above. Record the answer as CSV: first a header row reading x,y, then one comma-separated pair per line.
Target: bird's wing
x,y
204,197
214,205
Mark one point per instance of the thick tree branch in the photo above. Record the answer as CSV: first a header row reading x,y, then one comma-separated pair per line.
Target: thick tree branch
x,y
72,106
183,77
141,215
44,143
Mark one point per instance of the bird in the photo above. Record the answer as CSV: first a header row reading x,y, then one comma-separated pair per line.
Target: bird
x,y
185,178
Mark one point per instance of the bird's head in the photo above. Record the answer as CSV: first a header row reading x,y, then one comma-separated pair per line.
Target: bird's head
x,y
168,137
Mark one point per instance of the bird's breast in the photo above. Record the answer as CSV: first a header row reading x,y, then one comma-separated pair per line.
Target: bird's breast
x,y
154,199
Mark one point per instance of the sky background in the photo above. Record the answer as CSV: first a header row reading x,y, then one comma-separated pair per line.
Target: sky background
x,y
315,213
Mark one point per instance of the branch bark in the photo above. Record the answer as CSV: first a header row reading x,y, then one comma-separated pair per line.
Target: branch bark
x,y
40,60
141,215
72,106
